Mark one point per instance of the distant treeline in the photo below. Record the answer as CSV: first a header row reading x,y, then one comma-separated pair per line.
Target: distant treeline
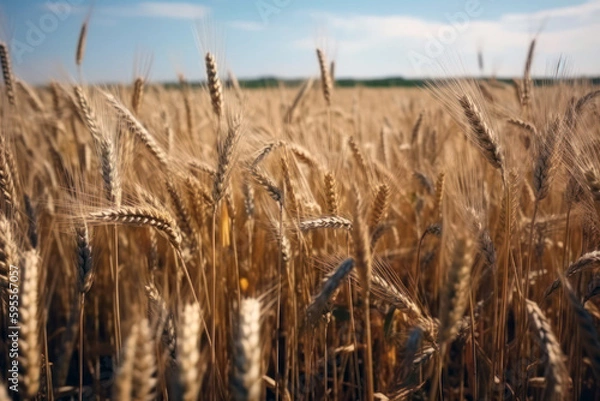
x,y
272,82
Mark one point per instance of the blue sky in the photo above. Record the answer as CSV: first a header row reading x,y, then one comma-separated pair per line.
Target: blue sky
x,y
278,37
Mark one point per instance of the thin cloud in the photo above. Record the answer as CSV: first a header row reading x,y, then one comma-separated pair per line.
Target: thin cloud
x,y
581,11
251,26
159,9
505,38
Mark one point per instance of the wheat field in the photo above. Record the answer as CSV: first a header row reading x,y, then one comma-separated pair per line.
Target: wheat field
x,y
312,242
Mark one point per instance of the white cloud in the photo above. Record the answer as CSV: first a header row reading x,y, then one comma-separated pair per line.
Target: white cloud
x,y
246,25
572,30
580,11
159,9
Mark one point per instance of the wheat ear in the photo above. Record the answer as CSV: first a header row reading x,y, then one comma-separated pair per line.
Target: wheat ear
x,y
144,364
7,179
326,84
7,73
111,176
188,355
380,206
81,43
139,130
483,136
162,221
9,255
246,383
557,374
34,100
545,162
334,222
124,377
587,330
85,272
300,96
137,95
161,319
29,342
330,284
527,84
214,84
527,126
586,261
455,296
267,184
226,150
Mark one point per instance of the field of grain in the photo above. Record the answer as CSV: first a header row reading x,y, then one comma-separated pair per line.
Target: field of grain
x,y
299,242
